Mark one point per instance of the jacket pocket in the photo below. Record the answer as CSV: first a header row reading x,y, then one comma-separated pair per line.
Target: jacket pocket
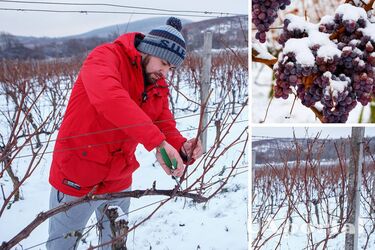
x,y
86,167
123,163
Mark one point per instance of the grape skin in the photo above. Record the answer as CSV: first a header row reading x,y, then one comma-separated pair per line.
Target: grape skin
x,y
264,14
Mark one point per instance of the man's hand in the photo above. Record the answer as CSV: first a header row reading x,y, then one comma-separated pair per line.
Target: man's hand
x,y
192,148
172,154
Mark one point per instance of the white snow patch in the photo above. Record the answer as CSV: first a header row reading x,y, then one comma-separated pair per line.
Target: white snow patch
x,y
260,48
327,74
358,51
298,22
369,31
301,49
351,12
316,37
335,86
327,19
319,106
329,50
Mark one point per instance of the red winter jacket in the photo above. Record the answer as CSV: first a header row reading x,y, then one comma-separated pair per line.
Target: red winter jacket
x,y
105,120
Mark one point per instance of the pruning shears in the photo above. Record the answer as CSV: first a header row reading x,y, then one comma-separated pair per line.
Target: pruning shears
x,y
171,164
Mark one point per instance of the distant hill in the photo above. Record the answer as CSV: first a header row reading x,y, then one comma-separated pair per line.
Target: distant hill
x,y
143,26
228,32
274,150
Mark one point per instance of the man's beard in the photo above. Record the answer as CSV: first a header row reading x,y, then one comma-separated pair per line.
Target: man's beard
x,y
149,77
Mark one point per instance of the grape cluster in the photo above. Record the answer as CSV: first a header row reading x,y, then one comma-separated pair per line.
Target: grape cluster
x,y
290,32
342,71
337,103
264,13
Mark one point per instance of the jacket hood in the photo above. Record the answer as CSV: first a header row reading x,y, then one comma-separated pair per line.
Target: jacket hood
x,y
128,43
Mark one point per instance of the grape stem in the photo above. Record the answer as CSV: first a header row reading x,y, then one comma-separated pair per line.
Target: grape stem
x,y
368,6
268,106
317,113
335,35
268,62
307,82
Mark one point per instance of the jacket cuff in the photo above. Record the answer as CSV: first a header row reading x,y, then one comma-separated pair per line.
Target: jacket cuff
x,y
156,141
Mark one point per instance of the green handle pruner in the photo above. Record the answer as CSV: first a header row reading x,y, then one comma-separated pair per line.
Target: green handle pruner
x,y
170,164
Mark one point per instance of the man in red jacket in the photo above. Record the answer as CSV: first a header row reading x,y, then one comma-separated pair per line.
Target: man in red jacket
x,y
120,99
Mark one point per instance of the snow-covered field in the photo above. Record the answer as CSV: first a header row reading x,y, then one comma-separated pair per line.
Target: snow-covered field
x,y
286,208
305,217
220,223
295,235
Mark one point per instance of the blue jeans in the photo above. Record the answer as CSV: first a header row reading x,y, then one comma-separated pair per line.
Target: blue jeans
x,y
76,218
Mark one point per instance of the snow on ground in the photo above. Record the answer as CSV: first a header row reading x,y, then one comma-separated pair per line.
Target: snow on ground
x,y
219,224
295,230
180,224
283,111
295,234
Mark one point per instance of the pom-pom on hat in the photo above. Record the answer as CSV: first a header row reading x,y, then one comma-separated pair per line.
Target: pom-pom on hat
x,y
165,42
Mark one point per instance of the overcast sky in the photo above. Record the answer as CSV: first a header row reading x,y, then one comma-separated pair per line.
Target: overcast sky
x,y
326,132
63,24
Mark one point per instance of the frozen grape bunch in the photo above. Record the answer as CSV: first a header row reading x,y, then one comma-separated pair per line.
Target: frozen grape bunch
x,y
329,66
264,13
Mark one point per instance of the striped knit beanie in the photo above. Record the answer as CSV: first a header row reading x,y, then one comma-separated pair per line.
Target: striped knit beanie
x,y
165,42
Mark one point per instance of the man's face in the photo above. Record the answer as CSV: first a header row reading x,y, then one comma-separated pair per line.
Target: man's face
x,y
155,68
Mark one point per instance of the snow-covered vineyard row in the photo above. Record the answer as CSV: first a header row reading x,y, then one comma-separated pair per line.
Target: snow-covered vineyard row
x,y
307,203
33,100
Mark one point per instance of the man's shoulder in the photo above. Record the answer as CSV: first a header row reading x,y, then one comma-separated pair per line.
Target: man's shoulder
x,y
104,48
